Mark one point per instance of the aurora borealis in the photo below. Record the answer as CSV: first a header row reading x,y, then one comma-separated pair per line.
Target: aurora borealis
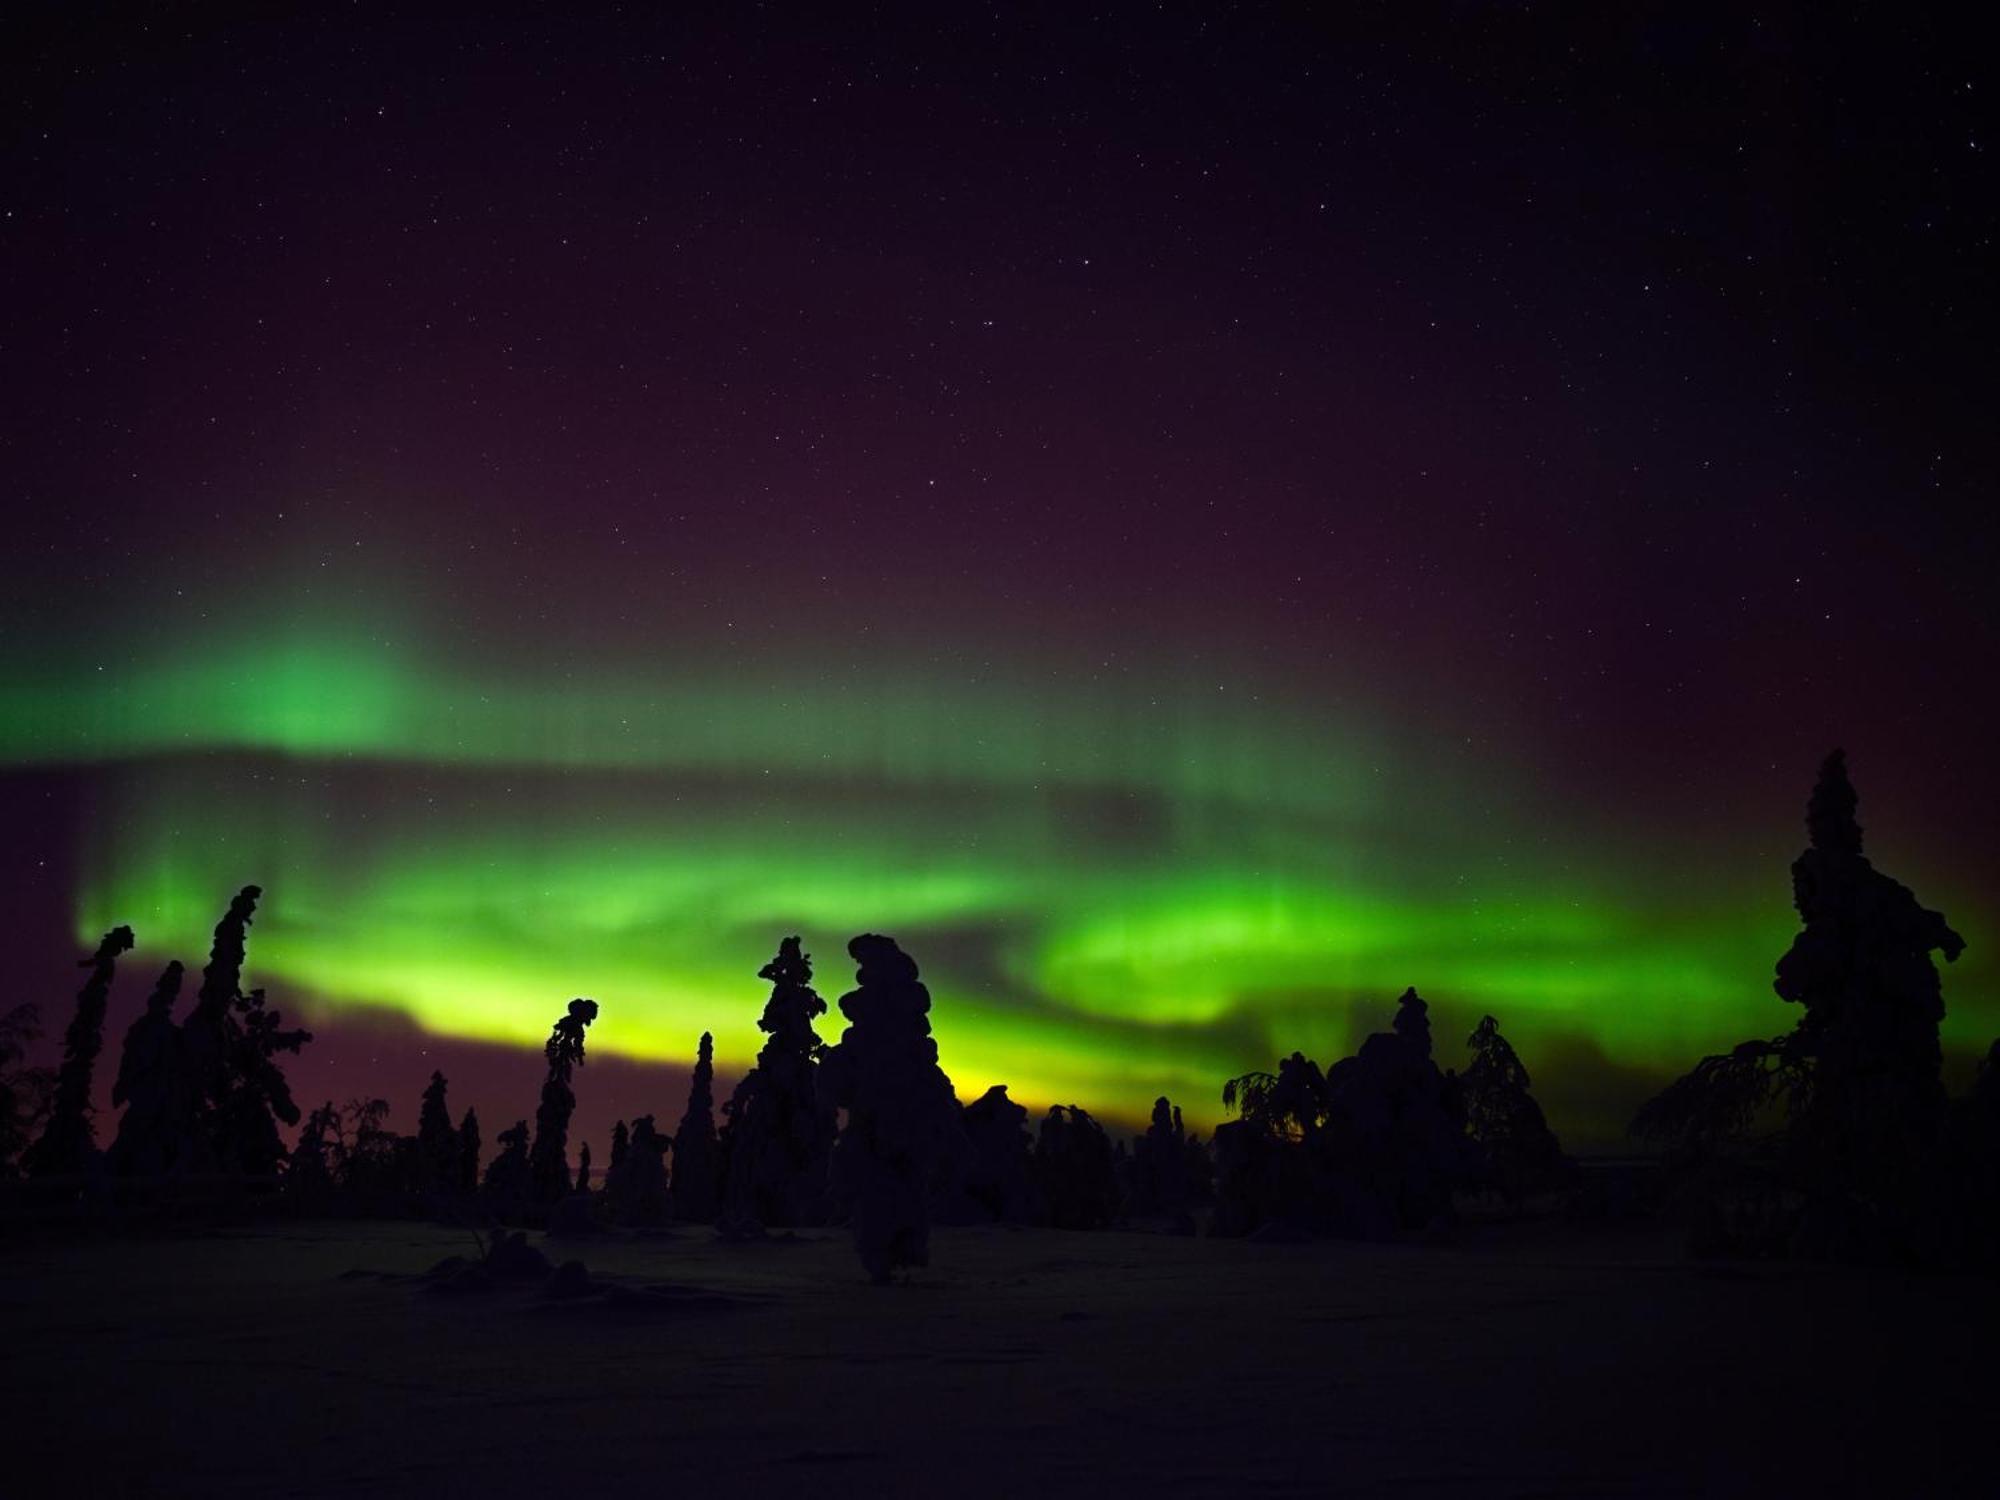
x,y
1188,558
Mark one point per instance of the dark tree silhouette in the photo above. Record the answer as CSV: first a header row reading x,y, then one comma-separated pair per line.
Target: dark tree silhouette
x,y
68,1143
583,1168
780,1133
153,1086
206,1043
1717,1105
1160,1165
1372,1147
1413,1022
1864,1135
548,1160
254,1095
621,1142
438,1168
998,1182
309,1175
25,1091
1866,1140
374,1167
507,1181
1288,1104
636,1187
468,1154
902,1118
1519,1152
1073,1165
695,1189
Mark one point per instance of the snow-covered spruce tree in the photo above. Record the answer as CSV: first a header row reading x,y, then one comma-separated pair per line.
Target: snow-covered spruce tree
x,y
1518,1152
1074,1167
780,1133
206,1043
152,1085
467,1181
1857,1081
1866,1143
68,1142
635,1189
548,1158
506,1188
998,1182
24,1091
902,1118
254,1096
1159,1165
621,1142
695,1189
438,1168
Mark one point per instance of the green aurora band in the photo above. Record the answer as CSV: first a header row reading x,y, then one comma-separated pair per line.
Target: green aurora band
x,y
1116,890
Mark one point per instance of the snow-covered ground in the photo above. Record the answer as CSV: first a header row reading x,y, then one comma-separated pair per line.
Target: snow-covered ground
x,y
307,1359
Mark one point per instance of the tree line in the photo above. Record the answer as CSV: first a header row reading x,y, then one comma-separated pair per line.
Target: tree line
x,y
1835,1139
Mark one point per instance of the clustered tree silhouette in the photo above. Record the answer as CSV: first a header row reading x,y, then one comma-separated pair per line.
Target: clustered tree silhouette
x,y
1837,1135
207,1095
1839,1132
68,1144
1076,1170
998,1181
1377,1145
902,1117
635,1185
779,1135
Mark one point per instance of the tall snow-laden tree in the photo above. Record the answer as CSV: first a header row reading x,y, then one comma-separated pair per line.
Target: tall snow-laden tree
x,y
902,1117
780,1132
695,1189
548,1159
68,1142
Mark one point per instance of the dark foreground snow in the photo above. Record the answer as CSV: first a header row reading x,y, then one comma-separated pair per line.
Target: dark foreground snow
x,y
309,1360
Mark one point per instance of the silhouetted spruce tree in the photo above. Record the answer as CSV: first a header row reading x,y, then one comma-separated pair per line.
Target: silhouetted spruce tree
x,y
1413,1022
1074,1169
780,1134
1159,1165
468,1153
153,1086
636,1188
438,1168
548,1159
507,1181
205,1035
902,1118
695,1189
1858,1080
68,1143
1519,1152
1866,1143
583,1168
621,1142
254,1096
25,1091
1393,1149
998,1182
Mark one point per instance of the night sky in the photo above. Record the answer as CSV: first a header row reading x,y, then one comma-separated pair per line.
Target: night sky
x,y
1193,520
